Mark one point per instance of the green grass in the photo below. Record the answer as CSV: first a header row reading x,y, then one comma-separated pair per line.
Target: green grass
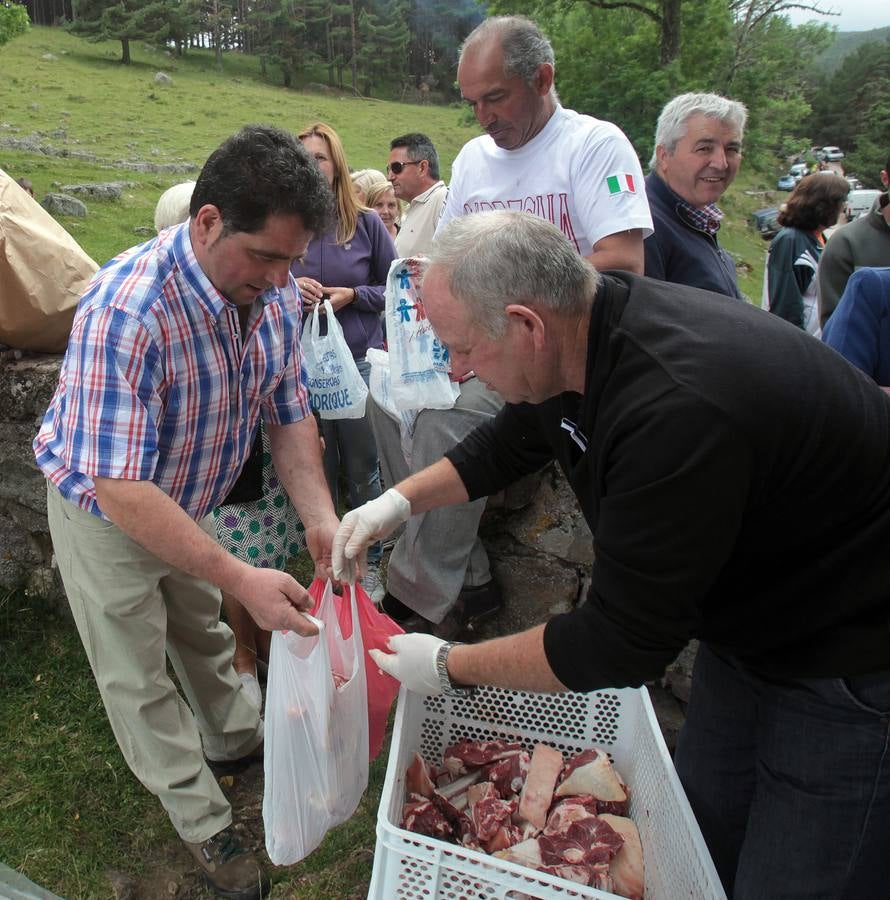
x,y
70,809
118,113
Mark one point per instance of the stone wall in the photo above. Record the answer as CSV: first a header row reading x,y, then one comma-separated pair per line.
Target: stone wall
x,y
26,386
540,546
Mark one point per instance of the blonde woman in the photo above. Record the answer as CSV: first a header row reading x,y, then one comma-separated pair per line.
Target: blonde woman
x,y
362,180
348,265
382,199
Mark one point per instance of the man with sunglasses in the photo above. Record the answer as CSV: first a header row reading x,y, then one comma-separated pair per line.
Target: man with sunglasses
x,y
583,176
413,171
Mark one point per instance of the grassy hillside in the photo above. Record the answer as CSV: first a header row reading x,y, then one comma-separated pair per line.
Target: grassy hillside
x,y
77,98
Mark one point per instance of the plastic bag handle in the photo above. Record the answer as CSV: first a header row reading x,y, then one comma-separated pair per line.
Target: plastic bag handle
x,y
314,324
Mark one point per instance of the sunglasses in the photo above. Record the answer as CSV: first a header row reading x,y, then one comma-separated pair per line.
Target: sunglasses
x,y
396,167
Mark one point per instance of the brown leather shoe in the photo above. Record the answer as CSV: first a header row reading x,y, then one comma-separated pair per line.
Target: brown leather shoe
x,y
229,869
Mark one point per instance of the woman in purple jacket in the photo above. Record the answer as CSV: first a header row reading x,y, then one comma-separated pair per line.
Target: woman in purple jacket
x,y
349,265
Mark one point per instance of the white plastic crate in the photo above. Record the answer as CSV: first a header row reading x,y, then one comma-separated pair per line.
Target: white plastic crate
x,y
621,721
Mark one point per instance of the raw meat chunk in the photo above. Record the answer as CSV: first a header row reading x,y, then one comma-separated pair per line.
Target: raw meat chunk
x,y
591,773
537,792
626,868
417,778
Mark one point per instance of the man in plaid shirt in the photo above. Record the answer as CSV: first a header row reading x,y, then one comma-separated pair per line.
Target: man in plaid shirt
x,y
178,347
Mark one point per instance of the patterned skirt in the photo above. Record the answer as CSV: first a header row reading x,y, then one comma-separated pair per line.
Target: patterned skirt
x,y
265,532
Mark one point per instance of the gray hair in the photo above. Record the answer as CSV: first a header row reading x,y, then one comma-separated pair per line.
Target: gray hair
x,y
417,147
364,178
672,127
524,46
497,258
173,205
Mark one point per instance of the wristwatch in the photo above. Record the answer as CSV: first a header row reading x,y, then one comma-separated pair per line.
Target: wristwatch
x,y
448,686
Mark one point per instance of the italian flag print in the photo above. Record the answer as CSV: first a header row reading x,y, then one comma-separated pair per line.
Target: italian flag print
x,y
623,183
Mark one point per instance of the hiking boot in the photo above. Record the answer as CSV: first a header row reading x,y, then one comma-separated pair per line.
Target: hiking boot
x,y
229,869
477,604
451,626
395,609
221,767
405,617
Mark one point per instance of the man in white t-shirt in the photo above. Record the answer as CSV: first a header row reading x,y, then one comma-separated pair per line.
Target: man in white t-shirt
x,y
413,171
577,172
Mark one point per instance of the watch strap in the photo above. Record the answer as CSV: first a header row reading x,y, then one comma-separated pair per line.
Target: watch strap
x,y
448,686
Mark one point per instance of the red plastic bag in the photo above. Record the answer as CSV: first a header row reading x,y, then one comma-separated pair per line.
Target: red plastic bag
x,y
377,628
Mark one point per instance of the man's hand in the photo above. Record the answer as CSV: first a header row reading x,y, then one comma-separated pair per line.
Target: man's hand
x,y
273,599
319,539
361,527
412,661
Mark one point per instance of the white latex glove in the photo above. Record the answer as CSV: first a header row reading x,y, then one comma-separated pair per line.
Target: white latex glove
x,y
362,527
412,661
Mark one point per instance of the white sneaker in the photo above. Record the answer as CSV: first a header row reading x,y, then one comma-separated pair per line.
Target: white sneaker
x,y
373,584
251,689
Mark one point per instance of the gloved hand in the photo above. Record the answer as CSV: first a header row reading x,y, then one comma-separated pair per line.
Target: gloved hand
x,y
361,527
412,661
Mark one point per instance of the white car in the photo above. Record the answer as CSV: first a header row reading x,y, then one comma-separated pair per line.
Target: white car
x,y
798,170
832,154
860,202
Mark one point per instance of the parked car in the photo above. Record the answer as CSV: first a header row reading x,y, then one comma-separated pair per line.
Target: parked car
x,y
860,202
786,182
798,170
832,154
854,182
766,222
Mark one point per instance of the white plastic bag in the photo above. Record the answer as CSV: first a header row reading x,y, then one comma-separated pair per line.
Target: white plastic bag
x,y
379,382
316,735
418,361
336,388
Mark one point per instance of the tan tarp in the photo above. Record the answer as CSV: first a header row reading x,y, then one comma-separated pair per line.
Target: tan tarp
x,y
43,272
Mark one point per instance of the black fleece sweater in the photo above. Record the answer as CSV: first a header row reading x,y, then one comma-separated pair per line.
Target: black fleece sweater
x,y
737,482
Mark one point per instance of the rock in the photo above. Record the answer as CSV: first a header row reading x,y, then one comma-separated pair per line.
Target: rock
x,y
49,57
105,190
26,558
64,205
668,712
143,230
552,523
678,675
163,78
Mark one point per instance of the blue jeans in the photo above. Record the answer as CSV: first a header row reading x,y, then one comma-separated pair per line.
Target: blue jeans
x,y
349,443
790,780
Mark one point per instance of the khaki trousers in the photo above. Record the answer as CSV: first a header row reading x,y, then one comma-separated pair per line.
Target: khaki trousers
x,y
132,610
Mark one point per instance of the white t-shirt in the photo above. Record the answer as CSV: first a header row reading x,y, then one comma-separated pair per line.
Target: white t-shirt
x,y
579,173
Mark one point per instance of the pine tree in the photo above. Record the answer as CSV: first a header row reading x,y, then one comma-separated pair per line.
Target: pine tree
x,y
124,21
384,36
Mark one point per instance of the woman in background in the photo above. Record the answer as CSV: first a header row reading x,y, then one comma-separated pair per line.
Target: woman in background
x,y
382,199
789,286
362,180
348,265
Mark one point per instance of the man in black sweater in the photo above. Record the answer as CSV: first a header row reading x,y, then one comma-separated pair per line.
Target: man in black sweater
x,y
698,150
734,473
